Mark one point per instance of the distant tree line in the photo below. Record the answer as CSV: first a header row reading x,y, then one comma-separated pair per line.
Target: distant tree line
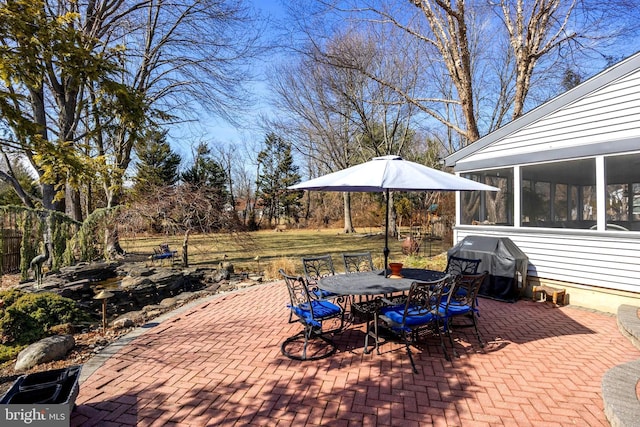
x,y
90,91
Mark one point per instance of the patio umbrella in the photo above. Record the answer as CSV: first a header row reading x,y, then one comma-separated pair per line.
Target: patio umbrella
x,y
390,173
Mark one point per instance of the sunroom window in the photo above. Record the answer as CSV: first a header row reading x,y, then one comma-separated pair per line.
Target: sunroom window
x,y
622,174
559,194
489,207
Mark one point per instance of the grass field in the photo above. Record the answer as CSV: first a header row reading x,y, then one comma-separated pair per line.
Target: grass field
x,y
267,251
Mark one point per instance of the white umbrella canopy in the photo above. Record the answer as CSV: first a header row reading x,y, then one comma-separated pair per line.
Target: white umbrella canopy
x,y
390,173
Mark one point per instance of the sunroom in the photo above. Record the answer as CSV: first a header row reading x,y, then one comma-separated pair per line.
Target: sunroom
x,y
569,174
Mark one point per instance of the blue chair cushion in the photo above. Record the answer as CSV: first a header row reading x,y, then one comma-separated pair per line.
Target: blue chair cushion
x,y
414,318
321,310
165,255
454,309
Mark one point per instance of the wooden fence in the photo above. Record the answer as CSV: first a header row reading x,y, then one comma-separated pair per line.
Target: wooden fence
x,y
10,262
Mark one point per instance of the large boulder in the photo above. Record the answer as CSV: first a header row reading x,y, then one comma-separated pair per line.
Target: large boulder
x,y
95,271
45,350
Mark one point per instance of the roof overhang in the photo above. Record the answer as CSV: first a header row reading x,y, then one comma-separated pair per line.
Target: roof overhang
x,y
601,79
569,153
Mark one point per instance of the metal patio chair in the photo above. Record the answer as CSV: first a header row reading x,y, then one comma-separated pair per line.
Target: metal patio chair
x,y
311,313
364,309
458,265
419,313
315,268
357,262
164,253
462,301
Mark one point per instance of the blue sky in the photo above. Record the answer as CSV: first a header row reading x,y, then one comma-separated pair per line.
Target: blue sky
x,y
216,131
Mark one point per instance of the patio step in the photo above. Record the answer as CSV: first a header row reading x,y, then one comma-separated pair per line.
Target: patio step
x,y
619,384
621,404
629,323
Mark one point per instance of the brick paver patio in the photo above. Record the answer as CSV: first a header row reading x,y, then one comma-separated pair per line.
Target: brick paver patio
x,y
219,363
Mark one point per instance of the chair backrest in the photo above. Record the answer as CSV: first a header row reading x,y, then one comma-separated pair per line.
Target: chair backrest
x,y
465,291
315,268
458,265
356,262
425,298
298,290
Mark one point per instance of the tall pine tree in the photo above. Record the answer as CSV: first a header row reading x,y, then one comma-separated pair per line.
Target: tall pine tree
x,y
157,164
276,173
208,176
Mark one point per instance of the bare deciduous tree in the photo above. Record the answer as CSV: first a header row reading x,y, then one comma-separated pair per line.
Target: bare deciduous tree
x,y
339,115
469,38
84,78
183,57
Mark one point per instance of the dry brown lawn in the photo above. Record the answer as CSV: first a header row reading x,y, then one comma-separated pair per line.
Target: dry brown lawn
x,y
267,251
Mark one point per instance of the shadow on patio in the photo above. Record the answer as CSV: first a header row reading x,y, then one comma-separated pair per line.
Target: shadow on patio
x,y
220,364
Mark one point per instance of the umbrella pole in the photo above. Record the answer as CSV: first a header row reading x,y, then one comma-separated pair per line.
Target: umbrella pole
x,y
386,235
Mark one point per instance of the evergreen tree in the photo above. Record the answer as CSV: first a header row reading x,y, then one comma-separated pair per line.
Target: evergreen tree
x,y
276,173
157,165
206,174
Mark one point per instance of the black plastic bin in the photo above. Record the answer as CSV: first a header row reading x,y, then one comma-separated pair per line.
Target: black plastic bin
x,y
59,386
36,395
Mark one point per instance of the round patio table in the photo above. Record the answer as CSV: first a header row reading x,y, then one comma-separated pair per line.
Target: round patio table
x,y
375,283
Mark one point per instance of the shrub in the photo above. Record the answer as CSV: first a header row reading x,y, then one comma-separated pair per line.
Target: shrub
x,y
274,266
10,296
19,327
9,352
29,317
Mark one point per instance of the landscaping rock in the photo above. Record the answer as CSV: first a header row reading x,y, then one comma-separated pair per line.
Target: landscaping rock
x,y
133,282
136,285
45,350
222,275
121,323
129,319
169,302
95,271
140,271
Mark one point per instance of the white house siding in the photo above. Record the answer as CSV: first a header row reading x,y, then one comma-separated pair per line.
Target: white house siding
x,y
605,260
611,113
598,118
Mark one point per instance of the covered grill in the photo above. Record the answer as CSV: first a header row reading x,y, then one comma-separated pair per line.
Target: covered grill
x,y
503,259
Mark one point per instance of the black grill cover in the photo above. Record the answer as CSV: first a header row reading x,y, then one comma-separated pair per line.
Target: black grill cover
x,y
505,262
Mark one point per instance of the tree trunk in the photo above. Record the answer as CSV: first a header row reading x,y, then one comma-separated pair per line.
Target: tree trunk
x,y
113,249
185,249
49,199
112,240
393,229
75,206
348,224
